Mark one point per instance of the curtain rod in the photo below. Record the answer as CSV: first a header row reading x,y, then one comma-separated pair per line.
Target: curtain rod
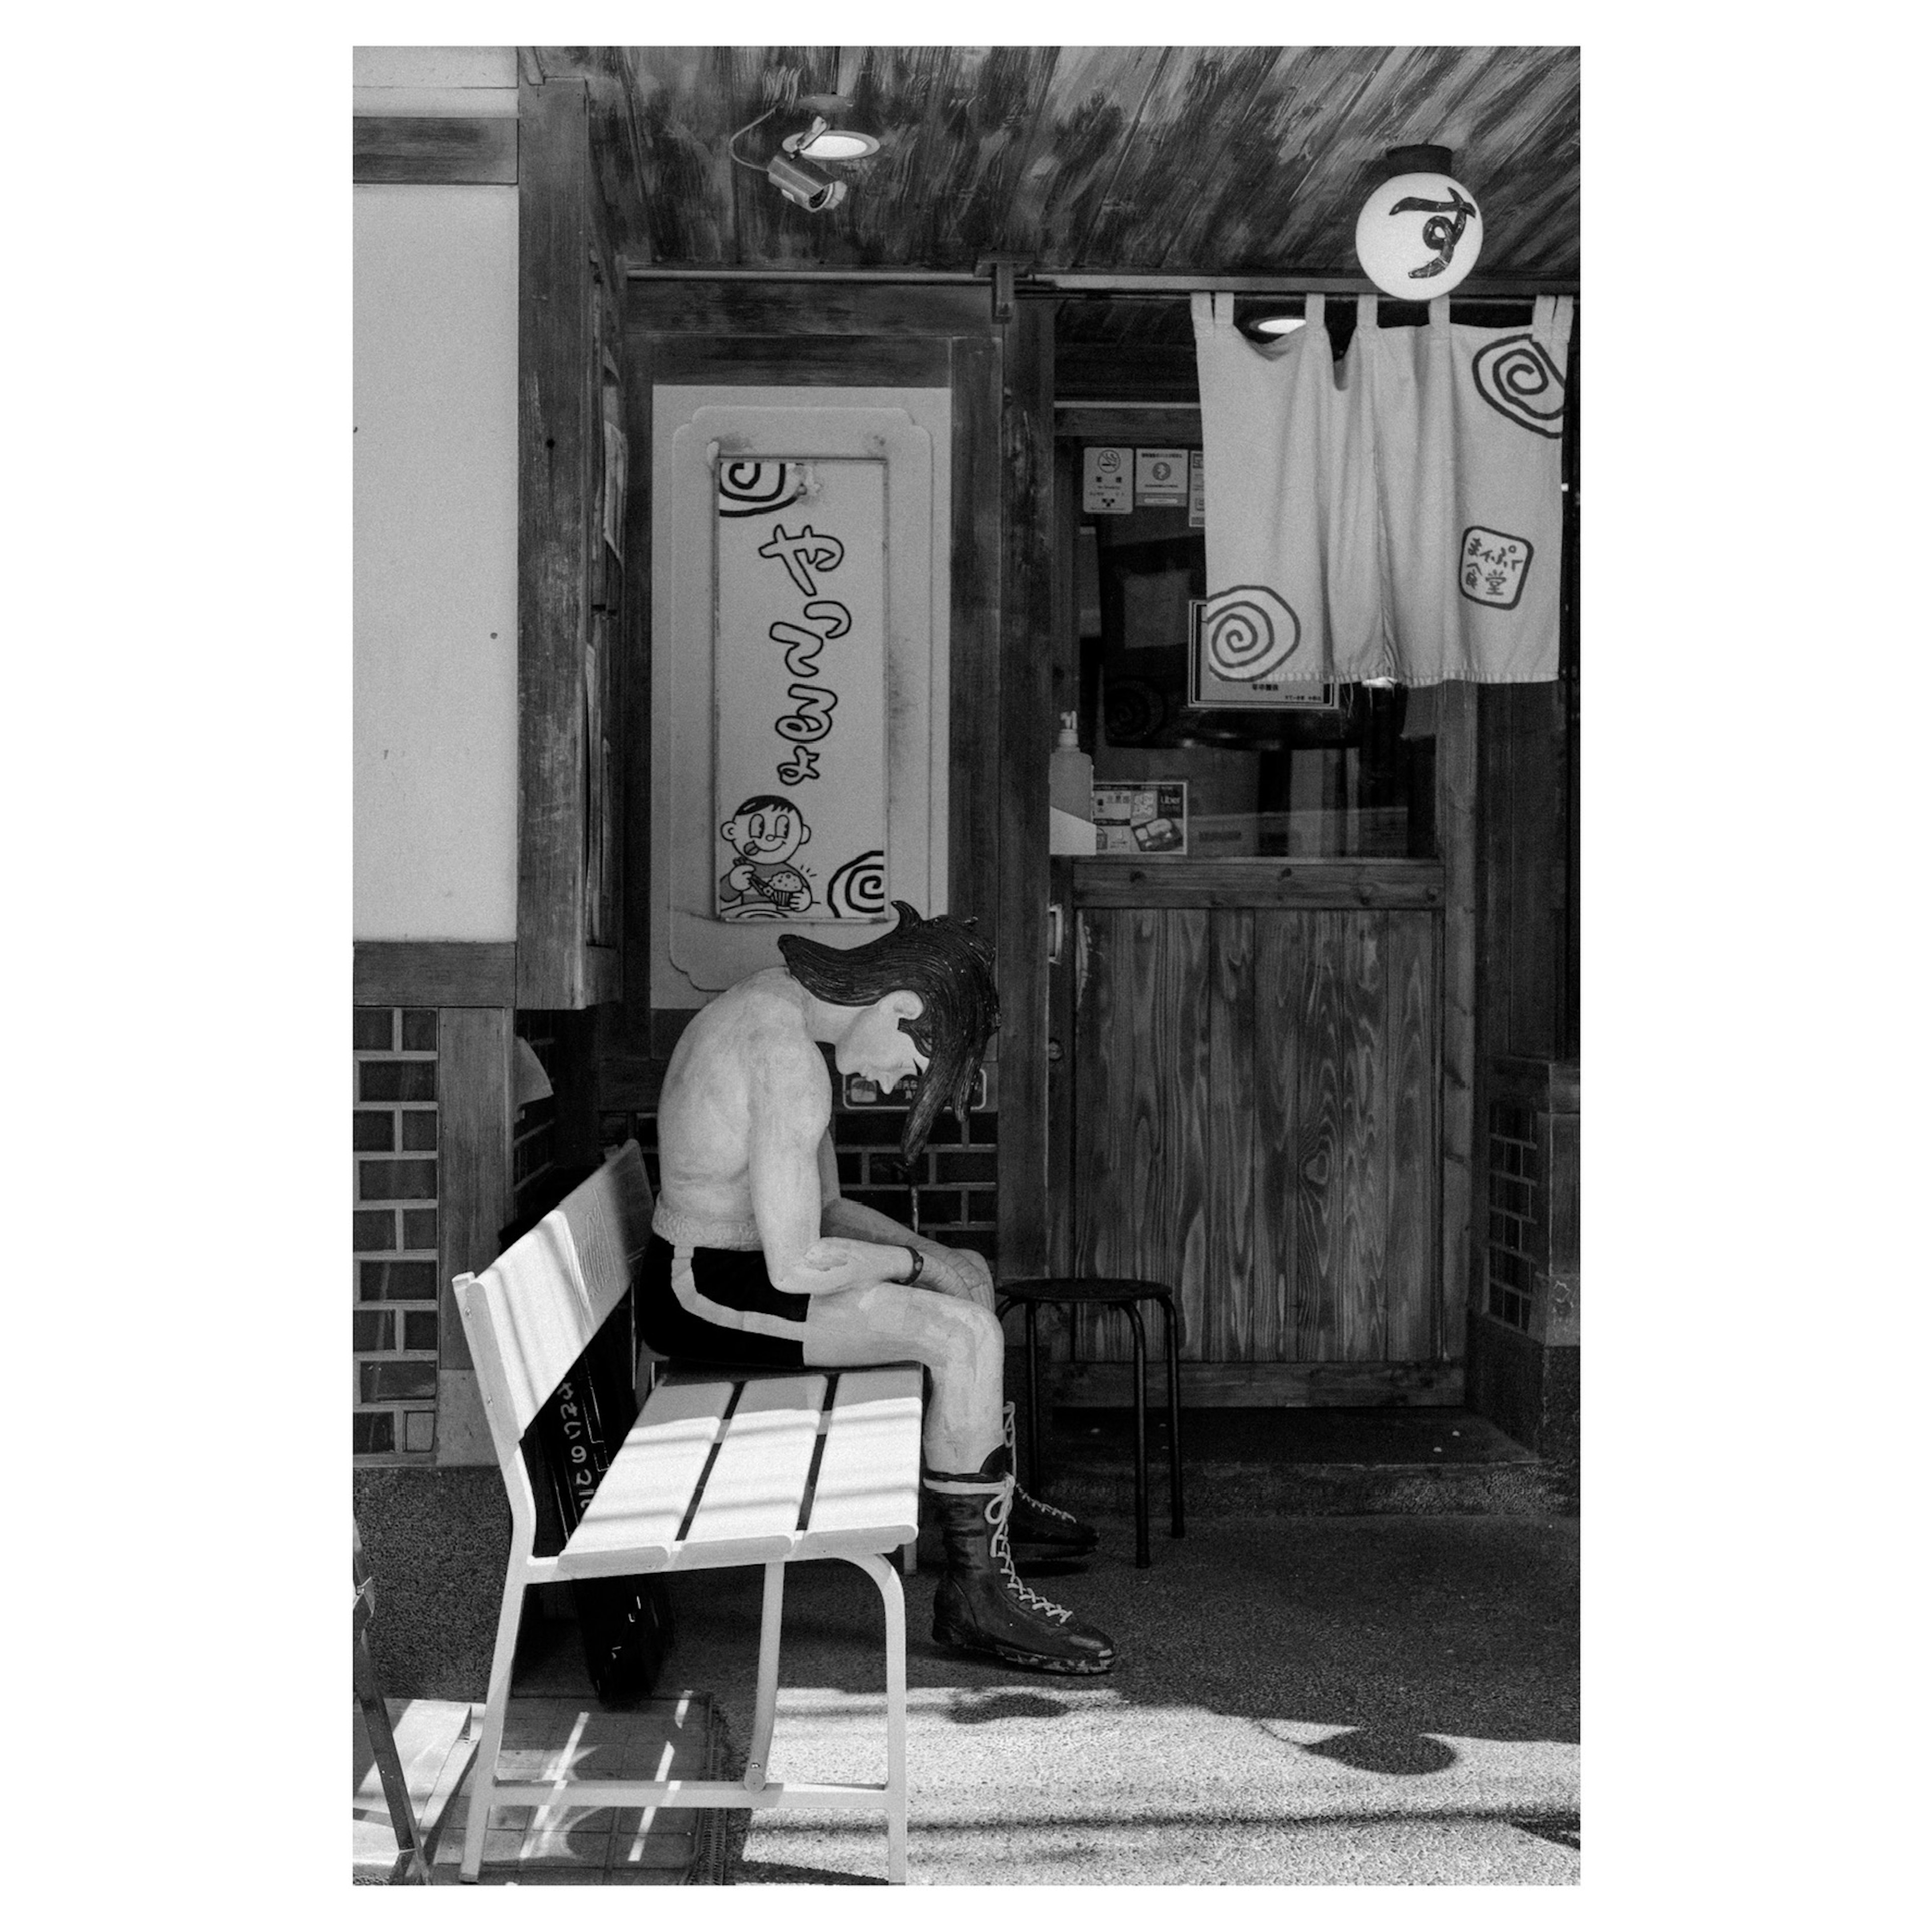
x,y
1052,282
1476,288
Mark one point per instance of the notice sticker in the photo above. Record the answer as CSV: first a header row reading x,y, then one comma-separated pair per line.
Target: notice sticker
x,y
1160,476
1197,489
1108,491
1131,820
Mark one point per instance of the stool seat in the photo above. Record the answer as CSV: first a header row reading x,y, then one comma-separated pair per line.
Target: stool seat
x,y
1117,1288
1125,1293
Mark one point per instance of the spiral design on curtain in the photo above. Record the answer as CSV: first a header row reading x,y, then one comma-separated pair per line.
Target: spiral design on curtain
x,y
1248,631
1518,376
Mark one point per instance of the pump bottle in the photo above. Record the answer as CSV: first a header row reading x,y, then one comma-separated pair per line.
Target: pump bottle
x,y
1070,787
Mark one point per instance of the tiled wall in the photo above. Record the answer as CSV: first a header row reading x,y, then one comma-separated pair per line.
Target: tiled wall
x,y
395,1259
949,1195
1514,1243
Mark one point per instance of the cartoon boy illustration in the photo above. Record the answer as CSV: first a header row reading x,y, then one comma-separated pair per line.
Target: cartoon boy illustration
x,y
765,832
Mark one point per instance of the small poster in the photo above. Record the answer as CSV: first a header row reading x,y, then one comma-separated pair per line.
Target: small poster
x,y
1196,489
1160,476
1133,821
1109,489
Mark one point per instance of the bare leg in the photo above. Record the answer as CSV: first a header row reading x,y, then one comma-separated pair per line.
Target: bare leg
x,y
958,1340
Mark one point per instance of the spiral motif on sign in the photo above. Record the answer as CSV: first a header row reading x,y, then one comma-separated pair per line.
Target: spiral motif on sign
x,y
857,888
1516,376
749,489
1248,631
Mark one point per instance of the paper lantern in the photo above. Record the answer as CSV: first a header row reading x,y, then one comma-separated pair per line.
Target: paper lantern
x,y
1419,234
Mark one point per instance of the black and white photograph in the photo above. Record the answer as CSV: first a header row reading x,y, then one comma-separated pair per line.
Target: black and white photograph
x,y
966,1126
844,790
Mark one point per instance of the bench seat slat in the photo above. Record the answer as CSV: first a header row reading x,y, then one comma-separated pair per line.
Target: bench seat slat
x,y
641,1504
753,1491
867,1488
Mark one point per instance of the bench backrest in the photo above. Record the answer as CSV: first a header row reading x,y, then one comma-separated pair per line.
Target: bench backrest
x,y
536,1308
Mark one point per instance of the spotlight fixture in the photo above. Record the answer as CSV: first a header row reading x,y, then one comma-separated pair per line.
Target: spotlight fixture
x,y
821,141
1277,324
790,170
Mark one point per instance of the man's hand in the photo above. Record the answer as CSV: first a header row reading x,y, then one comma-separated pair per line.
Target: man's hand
x,y
959,1271
831,1265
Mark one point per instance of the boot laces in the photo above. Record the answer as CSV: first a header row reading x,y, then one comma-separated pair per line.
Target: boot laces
x,y
1045,1508
997,1509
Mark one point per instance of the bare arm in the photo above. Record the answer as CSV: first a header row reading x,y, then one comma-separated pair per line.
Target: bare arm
x,y
790,1115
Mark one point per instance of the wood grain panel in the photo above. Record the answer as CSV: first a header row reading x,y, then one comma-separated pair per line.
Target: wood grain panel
x,y
716,310
1251,158
1258,1385
1234,883
1221,1312
553,377
974,809
1025,742
1144,1078
444,149
1411,1065
473,1173
831,360
1281,967
1362,1217
435,973
1455,832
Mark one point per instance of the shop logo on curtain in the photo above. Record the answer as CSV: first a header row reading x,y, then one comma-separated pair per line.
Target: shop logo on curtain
x,y
1248,631
1517,376
799,658
1494,566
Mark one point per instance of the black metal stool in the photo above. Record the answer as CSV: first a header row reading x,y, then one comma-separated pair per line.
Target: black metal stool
x,y
1111,1291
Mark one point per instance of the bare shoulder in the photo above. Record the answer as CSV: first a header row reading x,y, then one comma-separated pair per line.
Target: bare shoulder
x,y
764,1032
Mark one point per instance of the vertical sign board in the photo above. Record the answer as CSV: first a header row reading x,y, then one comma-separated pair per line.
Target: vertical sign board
x,y
800,766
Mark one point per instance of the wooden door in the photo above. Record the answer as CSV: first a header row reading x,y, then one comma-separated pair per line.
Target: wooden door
x,y
1256,1121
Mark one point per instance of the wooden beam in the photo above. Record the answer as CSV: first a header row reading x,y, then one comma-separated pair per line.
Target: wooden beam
x,y
1257,1385
1456,840
1025,747
553,427
446,150
435,973
1380,884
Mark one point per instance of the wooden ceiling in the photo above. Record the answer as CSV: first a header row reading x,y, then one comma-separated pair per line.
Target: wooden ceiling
x,y
1171,159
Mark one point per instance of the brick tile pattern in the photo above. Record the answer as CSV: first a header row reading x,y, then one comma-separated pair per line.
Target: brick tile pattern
x,y
1513,1244
394,1168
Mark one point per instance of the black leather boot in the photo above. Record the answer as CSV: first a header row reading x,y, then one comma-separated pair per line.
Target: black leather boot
x,y
981,1604
1037,1532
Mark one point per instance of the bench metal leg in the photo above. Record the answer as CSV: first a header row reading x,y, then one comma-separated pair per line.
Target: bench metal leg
x,y
767,1678
893,1591
483,1772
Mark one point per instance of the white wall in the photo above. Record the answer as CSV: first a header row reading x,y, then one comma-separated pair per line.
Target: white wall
x,y
435,554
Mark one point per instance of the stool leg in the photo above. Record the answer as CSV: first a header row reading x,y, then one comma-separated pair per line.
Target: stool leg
x,y
1033,1480
1174,1418
1142,1557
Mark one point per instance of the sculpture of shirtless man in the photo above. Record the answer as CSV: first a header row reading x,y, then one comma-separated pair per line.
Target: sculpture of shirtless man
x,y
755,1257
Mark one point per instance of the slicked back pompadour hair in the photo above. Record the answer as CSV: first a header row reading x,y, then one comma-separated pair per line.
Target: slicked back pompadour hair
x,y
949,966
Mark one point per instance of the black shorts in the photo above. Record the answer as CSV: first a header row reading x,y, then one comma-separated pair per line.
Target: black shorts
x,y
727,1312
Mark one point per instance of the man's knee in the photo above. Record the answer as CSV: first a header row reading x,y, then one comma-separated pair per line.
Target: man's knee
x,y
978,1327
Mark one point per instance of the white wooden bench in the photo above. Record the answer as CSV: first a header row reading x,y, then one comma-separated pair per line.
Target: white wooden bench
x,y
765,1469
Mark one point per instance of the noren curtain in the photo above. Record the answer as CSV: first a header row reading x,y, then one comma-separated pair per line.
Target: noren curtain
x,y
1397,514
